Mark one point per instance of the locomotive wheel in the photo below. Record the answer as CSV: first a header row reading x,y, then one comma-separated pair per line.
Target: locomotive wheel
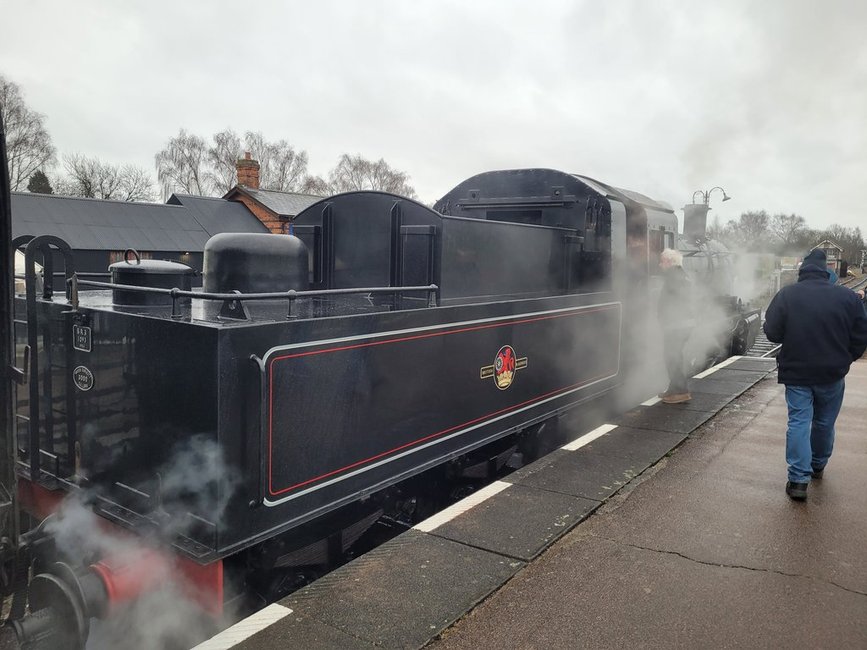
x,y
531,441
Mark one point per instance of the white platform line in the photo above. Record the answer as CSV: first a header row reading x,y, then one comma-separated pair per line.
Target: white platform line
x,y
653,400
462,506
587,438
713,369
245,629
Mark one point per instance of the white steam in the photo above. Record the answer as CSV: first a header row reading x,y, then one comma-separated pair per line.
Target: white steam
x,y
196,481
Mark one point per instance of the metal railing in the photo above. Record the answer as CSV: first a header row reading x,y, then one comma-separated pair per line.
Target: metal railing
x,y
232,301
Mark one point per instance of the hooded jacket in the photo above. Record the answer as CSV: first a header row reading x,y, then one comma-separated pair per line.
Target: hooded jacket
x,y
822,328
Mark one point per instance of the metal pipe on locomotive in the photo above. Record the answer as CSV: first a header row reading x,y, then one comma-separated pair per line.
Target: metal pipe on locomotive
x,y
314,374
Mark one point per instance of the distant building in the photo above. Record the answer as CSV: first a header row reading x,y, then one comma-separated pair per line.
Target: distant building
x,y
99,231
833,253
274,209
789,263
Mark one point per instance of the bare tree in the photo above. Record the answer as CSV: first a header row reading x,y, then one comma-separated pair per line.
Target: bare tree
x,y
357,173
280,166
189,164
136,184
95,179
849,239
787,227
315,185
183,166
748,233
28,145
715,229
223,155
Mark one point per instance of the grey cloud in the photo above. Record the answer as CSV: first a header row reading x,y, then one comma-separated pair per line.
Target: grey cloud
x,y
765,99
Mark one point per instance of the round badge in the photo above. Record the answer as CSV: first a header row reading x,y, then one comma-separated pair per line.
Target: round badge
x,y
83,378
504,367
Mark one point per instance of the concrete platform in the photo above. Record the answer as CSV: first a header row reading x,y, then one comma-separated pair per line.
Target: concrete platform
x,y
687,546
707,551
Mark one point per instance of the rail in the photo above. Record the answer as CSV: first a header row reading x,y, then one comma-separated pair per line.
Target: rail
x,y
763,348
233,300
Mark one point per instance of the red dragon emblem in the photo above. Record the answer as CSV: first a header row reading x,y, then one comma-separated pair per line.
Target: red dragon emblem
x,y
506,363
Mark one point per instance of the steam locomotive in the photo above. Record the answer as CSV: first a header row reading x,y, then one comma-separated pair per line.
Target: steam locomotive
x,y
264,420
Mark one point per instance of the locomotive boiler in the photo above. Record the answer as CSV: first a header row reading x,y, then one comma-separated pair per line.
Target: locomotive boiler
x,y
242,424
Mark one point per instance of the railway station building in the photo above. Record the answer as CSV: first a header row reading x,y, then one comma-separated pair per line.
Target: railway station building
x,y
100,231
274,209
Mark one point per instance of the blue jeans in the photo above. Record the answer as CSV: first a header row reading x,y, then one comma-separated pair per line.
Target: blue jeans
x,y
813,411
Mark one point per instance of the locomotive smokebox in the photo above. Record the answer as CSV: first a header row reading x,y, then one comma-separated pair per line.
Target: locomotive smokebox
x,y
255,263
148,273
695,221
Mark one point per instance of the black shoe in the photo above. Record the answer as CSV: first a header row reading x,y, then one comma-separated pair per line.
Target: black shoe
x,y
818,473
797,491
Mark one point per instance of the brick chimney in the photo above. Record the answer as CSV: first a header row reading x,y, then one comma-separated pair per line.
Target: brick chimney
x,y
248,171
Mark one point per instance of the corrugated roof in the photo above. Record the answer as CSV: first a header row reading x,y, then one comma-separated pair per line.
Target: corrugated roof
x,y
95,224
218,215
285,204
182,225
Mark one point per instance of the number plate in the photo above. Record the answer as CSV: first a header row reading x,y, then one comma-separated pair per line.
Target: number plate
x,y
81,338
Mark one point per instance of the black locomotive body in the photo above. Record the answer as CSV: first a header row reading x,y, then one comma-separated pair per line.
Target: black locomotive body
x,y
317,402
381,339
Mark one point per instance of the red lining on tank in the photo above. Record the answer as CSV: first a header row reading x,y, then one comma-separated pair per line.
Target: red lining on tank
x,y
579,311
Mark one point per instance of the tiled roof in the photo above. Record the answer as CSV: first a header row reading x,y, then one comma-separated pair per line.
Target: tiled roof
x,y
218,215
285,204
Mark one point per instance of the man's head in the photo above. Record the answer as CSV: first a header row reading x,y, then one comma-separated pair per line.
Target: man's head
x,y
670,257
816,257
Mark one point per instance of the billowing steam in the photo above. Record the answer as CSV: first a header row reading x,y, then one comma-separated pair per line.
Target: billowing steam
x,y
196,480
703,311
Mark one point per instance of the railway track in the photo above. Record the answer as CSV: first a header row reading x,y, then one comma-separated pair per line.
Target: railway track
x,y
763,348
854,282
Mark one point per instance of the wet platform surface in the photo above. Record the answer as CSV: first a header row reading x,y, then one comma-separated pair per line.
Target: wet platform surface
x,y
671,529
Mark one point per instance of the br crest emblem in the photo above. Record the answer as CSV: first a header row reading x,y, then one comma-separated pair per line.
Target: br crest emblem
x,y
506,364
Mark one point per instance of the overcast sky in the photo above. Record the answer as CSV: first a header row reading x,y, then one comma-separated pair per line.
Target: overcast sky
x,y
767,99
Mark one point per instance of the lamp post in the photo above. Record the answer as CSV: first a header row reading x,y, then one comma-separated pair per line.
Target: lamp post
x,y
695,214
705,196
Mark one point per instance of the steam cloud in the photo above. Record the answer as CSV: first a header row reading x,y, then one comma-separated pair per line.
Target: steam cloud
x,y
195,480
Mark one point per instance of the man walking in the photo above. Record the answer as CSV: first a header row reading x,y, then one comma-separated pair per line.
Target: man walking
x,y
675,316
823,329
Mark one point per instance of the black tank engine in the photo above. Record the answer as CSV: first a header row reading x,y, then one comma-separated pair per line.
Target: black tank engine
x,y
315,370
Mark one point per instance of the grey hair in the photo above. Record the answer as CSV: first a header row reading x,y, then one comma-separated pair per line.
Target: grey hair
x,y
672,256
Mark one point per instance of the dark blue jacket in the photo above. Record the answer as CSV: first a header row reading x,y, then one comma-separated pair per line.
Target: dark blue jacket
x,y
823,329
